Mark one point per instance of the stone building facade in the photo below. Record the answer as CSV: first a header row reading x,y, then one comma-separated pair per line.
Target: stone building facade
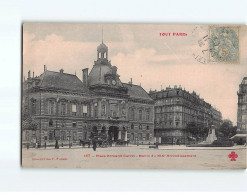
x,y
68,109
175,108
242,107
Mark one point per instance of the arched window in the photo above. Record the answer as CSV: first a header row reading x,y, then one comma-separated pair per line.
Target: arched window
x,y
148,115
140,115
132,113
63,108
51,107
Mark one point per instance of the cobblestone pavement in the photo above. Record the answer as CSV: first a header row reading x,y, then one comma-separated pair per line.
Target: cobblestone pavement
x,y
137,157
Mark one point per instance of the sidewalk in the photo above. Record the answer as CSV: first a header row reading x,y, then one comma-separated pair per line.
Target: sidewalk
x,y
182,147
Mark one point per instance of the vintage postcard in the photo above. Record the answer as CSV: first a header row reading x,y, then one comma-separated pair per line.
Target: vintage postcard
x,y
134,96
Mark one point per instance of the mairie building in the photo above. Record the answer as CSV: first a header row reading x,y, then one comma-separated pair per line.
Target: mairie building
x,y
60,106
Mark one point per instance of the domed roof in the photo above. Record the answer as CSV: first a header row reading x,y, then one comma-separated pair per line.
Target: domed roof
x,y
102,48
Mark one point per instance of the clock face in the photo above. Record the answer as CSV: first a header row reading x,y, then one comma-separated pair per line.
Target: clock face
x,y
113,82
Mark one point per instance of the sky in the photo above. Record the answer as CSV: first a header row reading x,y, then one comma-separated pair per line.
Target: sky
x,y
140,53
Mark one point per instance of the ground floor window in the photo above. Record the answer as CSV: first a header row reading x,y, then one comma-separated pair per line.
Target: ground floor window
x,y
140,136
63,135
147,136
50,135
132,137
74,136
27,136
57,134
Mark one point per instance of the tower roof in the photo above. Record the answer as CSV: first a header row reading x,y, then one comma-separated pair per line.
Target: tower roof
x,y
244,81
102,48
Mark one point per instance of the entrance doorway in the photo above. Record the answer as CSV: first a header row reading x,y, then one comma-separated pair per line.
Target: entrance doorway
x,y
113,133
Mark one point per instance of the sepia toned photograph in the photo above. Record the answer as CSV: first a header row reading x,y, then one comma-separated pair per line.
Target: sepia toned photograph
x,y
133,96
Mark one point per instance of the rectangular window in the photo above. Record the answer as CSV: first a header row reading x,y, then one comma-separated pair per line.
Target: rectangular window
x,y
84,110
147,115
113,110
74,124
140,115
74,109
63,108
51,107
95,109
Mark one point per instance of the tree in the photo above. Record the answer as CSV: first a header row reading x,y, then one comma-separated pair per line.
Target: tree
x,y
198,131
193,129
227,129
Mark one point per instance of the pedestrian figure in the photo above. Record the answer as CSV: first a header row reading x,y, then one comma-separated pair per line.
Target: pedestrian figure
x,y
27,145
157,144
94,144
45,145
56,145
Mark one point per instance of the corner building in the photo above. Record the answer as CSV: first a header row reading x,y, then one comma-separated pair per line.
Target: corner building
x,y
66,109
175,108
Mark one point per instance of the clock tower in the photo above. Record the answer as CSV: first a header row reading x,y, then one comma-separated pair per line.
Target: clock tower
x,y
103,74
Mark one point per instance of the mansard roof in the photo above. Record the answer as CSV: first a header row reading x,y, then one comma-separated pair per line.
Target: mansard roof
x,y
137,92
61,81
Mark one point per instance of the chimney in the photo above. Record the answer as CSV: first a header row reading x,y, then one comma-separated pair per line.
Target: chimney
x,y
44,68
29,74
131,82
61,71
85,76
33,74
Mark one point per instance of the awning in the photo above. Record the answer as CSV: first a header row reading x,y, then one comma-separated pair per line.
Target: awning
x,y
239,136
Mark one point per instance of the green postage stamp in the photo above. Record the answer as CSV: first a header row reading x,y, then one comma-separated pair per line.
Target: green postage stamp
x,y
224,44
